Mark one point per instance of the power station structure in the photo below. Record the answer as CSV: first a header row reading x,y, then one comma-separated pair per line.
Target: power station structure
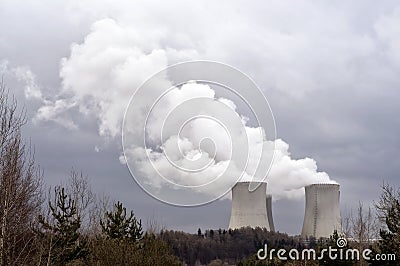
x,y
269,213
251,208
254,209
322,212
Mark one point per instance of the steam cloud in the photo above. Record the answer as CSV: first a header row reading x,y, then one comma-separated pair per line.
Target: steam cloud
x,y
98,79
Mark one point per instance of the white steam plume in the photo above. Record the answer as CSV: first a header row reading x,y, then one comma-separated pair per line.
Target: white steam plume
x,y
101,74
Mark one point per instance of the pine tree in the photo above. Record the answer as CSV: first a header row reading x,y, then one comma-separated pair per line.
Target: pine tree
x,y
388,209
118,225
390,237
61,232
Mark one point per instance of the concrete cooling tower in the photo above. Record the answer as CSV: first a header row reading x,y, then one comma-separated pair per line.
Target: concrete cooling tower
x,y
251,209
269,213
322,213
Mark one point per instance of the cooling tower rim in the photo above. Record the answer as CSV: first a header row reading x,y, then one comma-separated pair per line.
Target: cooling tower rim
x,y
246,185
248,182
324,185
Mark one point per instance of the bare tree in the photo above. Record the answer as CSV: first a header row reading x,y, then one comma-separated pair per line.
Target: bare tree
x,y
364,225
90,206
20,184
153,226
98,212
346,223
360,225
85,200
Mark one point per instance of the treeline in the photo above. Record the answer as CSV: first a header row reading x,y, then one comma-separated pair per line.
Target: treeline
x,y
227,246
240,247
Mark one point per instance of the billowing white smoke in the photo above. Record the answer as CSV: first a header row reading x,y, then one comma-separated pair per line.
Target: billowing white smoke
x,y
286,178
25,75
101,74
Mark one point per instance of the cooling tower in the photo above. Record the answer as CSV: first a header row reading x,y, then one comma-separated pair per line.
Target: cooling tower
x,y
269,213
250,208
322,213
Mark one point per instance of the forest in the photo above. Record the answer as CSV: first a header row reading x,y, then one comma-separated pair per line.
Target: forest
x,y
69,224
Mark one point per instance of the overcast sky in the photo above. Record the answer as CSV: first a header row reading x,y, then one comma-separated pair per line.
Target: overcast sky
x,y
330,70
